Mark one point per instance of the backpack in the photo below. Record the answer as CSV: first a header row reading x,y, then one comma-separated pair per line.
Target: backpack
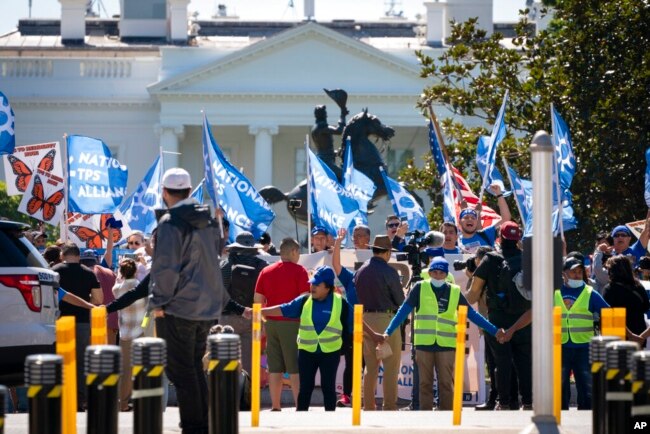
x,y
510,282
242,283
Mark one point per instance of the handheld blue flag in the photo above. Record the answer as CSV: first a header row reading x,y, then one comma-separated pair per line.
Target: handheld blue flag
x,y
332,206
229,189
404,205
482,165
647,177
448,204
138,208
356,182
563,172
7,133
523,194
198,192
497,136
96,180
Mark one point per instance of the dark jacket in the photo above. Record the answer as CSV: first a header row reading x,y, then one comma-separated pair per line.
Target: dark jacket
x,y
185,279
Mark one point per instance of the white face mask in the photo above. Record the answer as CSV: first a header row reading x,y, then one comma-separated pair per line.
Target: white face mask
x,y
437,283
573,283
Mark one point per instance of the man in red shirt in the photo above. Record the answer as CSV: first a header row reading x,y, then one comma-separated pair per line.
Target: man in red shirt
x,y
280,283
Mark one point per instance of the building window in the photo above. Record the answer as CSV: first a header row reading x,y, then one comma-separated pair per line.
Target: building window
x,y
396,160
301,165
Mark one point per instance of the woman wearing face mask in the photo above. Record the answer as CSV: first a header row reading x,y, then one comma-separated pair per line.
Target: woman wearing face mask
x,y
436,314
579,302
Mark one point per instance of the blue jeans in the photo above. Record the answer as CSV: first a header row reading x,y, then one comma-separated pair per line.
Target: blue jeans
x,y
576,360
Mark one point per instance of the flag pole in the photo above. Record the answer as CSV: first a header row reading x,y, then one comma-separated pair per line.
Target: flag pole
x,y
556,177
308,194
512,186
66,185
217,209
443,148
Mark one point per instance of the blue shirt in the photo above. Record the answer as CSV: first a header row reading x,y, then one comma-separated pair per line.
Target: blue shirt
x,y
475,241
637,250
596,303
346,278
455,251
442,295
320,313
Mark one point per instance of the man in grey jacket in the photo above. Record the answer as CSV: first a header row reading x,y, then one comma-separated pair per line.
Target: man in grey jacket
x,y
187,293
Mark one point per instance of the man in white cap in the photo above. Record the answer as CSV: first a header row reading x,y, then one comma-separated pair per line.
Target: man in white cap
x,y
187,292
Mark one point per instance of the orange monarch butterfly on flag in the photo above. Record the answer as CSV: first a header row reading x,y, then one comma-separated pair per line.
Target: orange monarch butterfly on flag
x,y
92,238
24,173
38,201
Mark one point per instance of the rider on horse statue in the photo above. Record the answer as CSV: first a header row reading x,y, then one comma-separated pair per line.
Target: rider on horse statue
x,y
322,132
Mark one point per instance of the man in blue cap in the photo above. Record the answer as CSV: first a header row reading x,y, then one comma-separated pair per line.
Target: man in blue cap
x,y
436,315
318,239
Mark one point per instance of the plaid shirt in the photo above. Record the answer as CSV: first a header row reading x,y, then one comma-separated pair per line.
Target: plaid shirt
x,y
130,318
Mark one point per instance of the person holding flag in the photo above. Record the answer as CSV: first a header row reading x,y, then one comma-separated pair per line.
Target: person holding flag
x,y
472,236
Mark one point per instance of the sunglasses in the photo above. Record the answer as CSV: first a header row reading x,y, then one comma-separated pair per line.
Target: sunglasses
x,y
137,243
621,235
392,225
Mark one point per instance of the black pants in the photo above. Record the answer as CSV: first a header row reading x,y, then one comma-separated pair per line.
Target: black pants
x,y
492,373
82,336
186,342
308,364
518,352
347,373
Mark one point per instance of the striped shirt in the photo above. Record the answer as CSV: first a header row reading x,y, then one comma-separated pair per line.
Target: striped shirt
x,y
130,318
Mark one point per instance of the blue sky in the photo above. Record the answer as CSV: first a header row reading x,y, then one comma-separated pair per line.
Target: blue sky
x,y
12,10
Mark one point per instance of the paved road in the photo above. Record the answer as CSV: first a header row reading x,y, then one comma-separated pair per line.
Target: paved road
x,y
317,421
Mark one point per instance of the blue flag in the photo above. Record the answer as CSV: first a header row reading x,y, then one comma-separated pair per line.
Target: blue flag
x,y
404,205
229,189
332,206
448,186
497,136
96,180
198,192
523,194
7,134
357,183
563,172
481,163
647,177
138,208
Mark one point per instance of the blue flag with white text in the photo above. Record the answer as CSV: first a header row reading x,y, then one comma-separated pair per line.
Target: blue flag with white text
x,y
482,165
198,192
404,205
564,171
96,180
7,124
229,189
523,193
332,206
138,208
357,183
497,136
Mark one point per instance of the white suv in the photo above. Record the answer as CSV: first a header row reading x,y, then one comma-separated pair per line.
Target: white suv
x,y
28,302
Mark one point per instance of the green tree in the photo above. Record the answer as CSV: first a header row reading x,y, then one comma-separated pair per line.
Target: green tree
x,y
9,210
593,64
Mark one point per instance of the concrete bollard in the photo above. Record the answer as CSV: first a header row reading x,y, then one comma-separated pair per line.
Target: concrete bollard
x,y
223,383
148,358
102,366
43,377
640,388
619,387
597,359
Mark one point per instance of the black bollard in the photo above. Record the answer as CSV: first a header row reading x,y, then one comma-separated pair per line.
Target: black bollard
x,y
223,383
597,359
619,386
148,358
43,377
3,405
641,389
102,366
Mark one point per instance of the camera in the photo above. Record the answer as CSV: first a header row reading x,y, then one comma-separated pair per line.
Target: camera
x,y
295,203
469,263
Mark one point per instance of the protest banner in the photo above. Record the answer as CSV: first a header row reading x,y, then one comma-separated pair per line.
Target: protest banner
x,y
25,160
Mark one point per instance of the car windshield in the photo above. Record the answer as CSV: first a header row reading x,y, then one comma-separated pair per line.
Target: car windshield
x,y
18,251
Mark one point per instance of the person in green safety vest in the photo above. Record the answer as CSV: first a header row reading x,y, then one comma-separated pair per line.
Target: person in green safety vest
x,y
326,320
436,314
579,302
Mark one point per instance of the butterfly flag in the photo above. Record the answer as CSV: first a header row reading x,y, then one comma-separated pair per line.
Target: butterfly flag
x,y
89,231
523,194
482,165
43,199
25,160
497,136
198,192
488,215
356,182
96,180
563,172
229,189
332,206
647,177
138,208
404,205
7,133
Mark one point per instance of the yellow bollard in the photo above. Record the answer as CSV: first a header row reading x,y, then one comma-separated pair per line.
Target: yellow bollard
x,y
613,322
557,364
357,351
65,347
98,335
255,364
459,371
619,323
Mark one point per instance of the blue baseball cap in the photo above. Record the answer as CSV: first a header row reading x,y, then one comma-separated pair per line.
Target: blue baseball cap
x,y
468,211
439,264
317,229
323,274
621,228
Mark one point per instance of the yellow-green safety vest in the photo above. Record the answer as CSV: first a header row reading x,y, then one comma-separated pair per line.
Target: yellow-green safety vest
x,y
329,338
432,327
577,322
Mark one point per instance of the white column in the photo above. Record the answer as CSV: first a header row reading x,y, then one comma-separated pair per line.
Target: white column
x,y
170,137
263,153
436,23
73,20
177,16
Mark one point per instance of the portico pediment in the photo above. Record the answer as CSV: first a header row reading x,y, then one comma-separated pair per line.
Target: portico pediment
x,y
299,61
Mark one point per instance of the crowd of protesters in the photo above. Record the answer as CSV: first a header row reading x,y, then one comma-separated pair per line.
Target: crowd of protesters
x,y
172,279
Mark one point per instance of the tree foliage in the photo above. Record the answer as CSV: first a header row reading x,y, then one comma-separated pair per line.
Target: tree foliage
x,y
592,63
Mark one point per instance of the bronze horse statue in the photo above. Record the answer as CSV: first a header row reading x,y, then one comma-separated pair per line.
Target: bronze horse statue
x,y
365,154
